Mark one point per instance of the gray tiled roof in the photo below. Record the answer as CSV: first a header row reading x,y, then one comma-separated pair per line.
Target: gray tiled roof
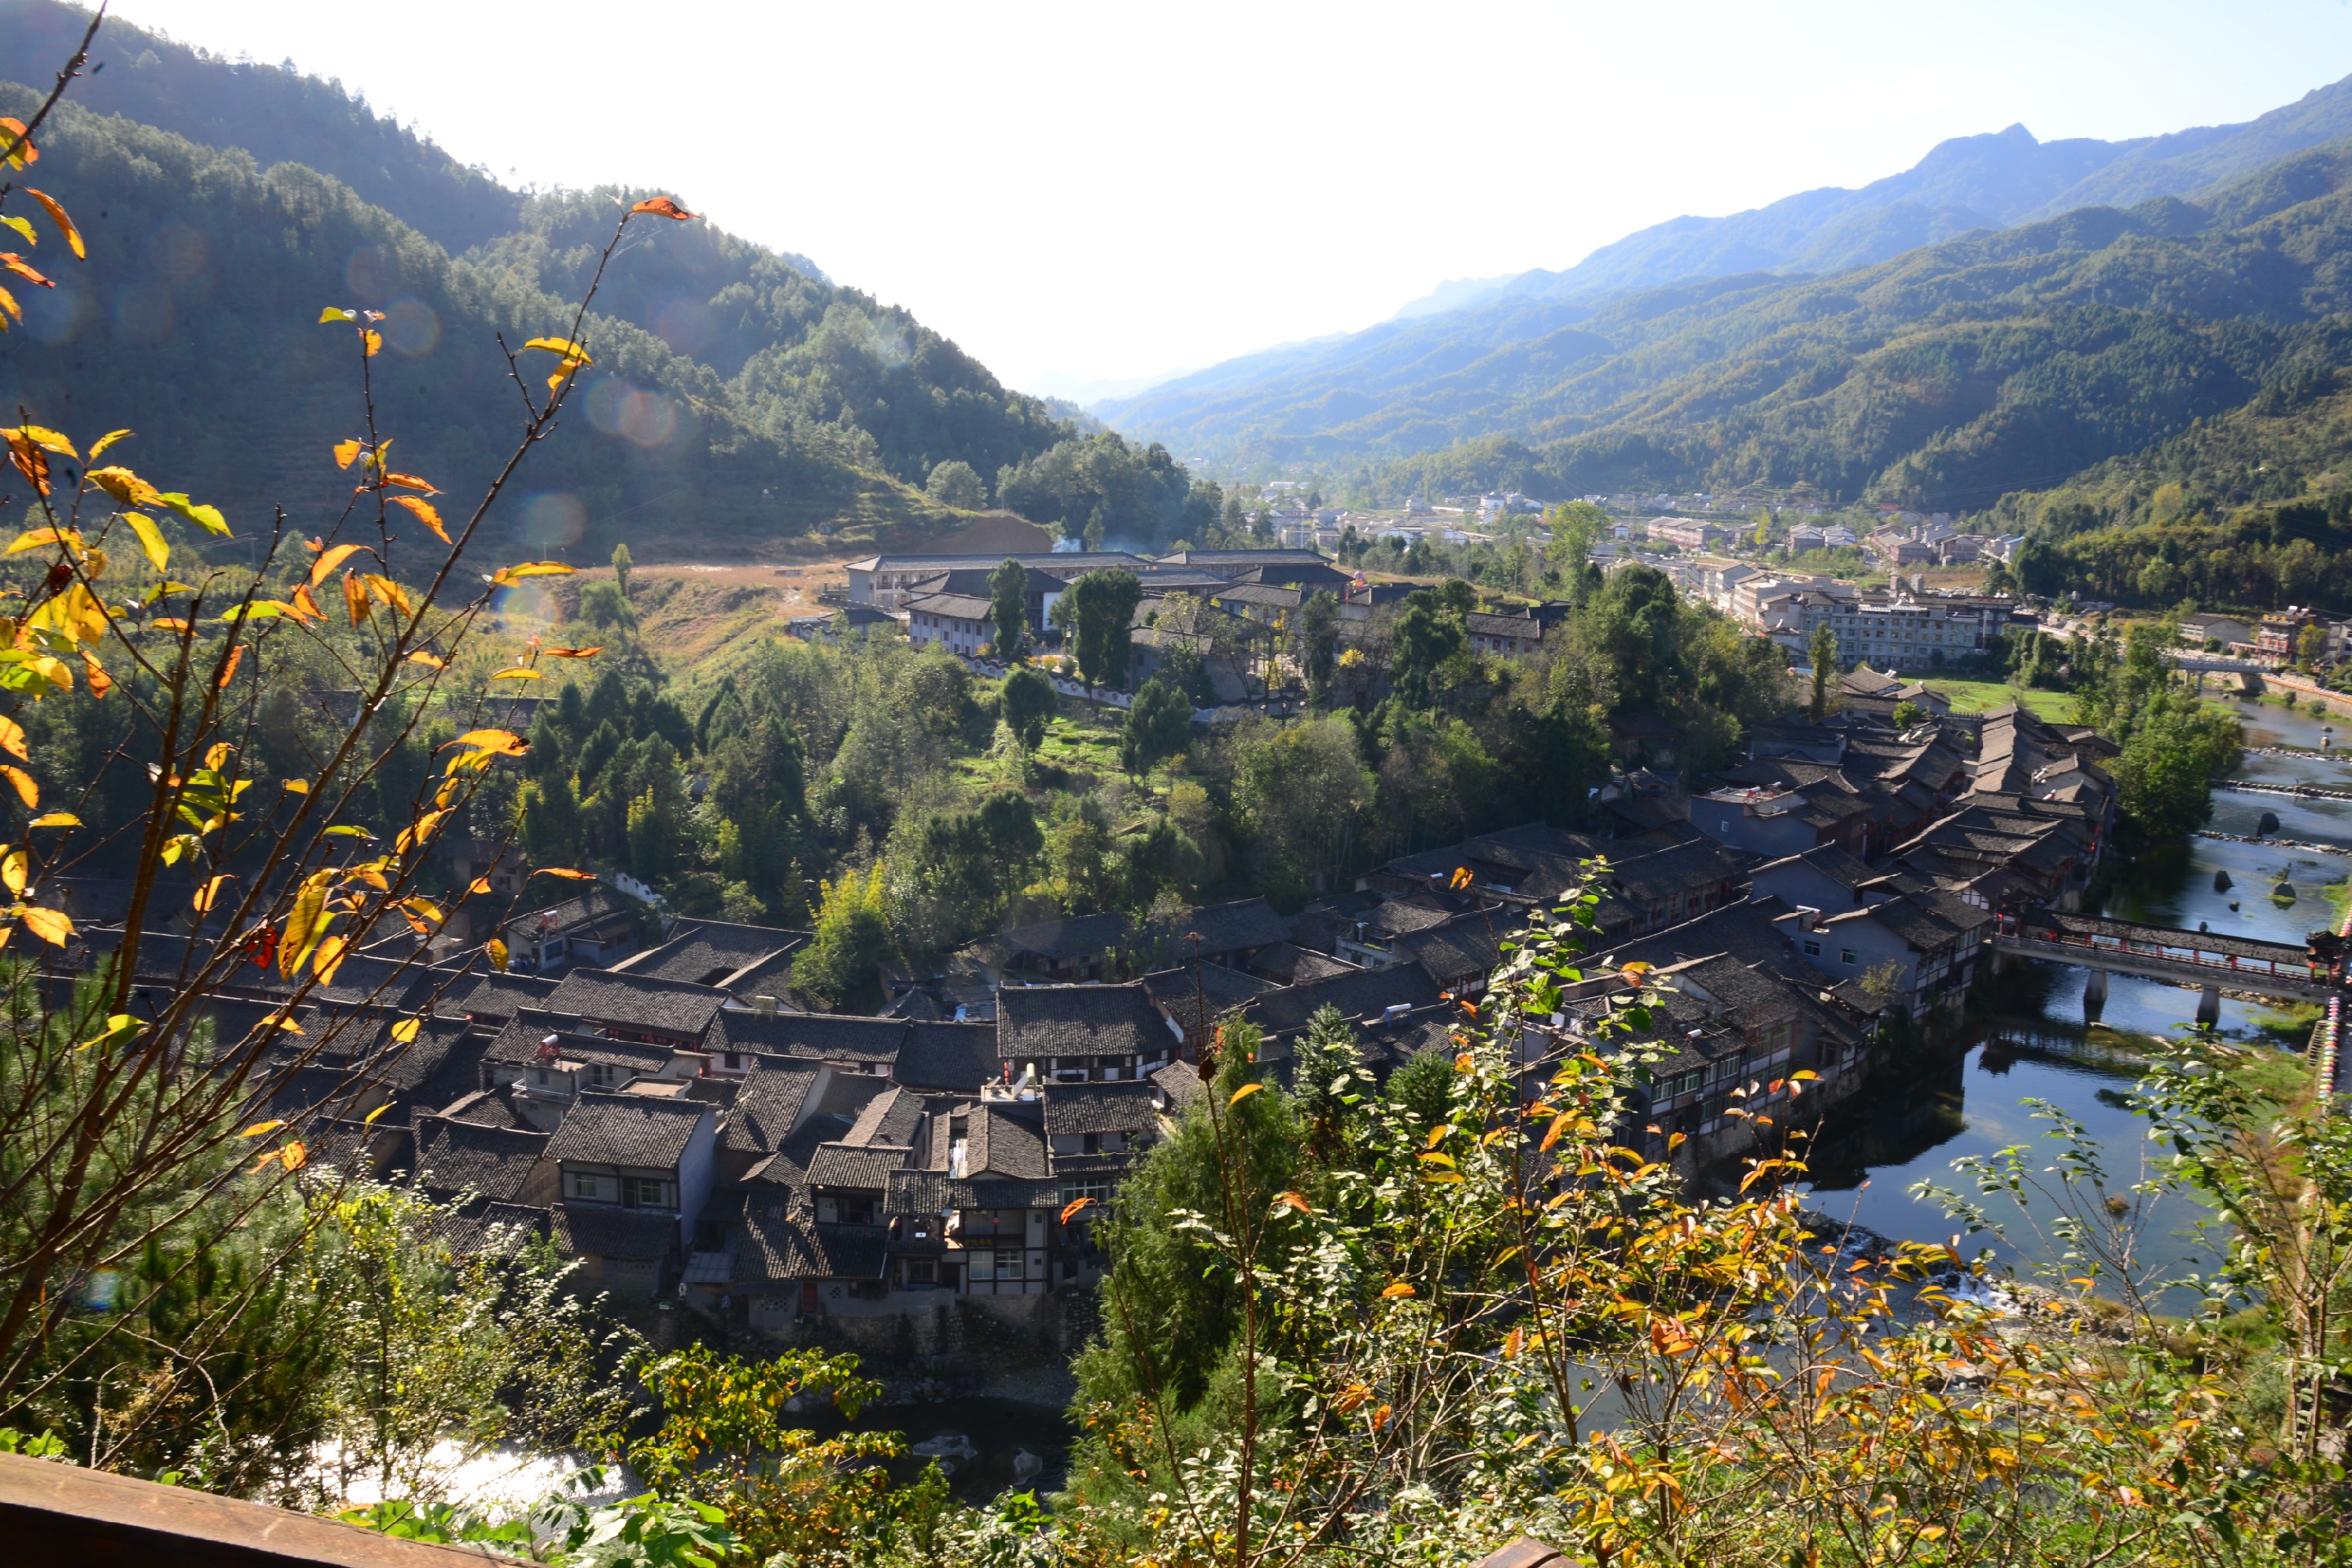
x,y
1076,1108
664,1006
1038,1021
1183,994
1364,993
1080,936
889,1117
1228,928
479,1227
712,952
464,1156
632,1129
956,1058
494,996
858,1169
1004,1141
769,1103
781,1241
818,1036
594,1230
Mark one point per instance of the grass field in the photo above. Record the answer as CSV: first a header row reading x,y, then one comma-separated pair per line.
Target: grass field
x,y
1983,696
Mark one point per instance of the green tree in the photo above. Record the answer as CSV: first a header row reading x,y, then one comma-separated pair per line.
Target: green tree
x,y
1101,609
1159,725
1429,630
1326,1070
1825,662
2311,644
1028,703
1008,609
1319,643
840,970
957,484
621,565
2164,777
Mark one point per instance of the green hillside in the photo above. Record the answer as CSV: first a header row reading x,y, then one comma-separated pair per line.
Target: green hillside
x,y
739,398
1952,375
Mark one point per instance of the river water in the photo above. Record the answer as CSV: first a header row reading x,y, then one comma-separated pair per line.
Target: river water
x,y
1916,1121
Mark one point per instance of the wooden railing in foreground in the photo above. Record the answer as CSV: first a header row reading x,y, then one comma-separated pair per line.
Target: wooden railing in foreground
x,y
61,1516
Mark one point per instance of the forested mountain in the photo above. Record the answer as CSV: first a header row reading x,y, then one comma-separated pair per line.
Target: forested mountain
x,y
1479,359
1948,377
738,394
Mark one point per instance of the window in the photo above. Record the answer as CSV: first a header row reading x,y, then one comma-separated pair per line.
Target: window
x,y
587,1184
1846,955
1008,1263
1813,950
652,1192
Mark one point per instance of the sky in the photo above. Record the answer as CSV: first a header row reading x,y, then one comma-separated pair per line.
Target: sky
x,y
1085,192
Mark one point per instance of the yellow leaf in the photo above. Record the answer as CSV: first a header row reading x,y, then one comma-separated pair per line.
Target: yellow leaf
x,y
40,536
368,1120
12,739
15,867
425,514
296,787
565,347
301,926
1399,1290
65,225
27,790
497,951
429,660
47,439
103,442
330,560
125,487
151,539
407,1029
1243,1093
505,742
394,595
328,959
347,453
294,1156
207,518
373,340
209,894
49,925
479,885
516,574
517,672
56,819
572,652
336,313
218,753
261,1129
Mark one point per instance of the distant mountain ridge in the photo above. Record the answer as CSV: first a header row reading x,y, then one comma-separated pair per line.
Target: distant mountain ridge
x,y
1472,358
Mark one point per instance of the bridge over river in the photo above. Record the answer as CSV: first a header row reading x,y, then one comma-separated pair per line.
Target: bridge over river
x,y
2207,961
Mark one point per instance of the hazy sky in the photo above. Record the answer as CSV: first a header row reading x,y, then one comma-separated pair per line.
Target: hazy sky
x,y
1109,191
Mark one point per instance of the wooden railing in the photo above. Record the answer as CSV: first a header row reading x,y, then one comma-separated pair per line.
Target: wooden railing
x,y
61,1516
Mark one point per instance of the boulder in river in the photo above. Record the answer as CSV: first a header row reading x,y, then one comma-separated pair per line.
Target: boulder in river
x,y
2221,882
2284,893
2269,824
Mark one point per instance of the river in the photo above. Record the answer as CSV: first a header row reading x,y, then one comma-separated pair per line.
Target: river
x,y
1970,1102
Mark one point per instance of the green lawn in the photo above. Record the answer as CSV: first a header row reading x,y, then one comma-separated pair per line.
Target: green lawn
x,y
1983,696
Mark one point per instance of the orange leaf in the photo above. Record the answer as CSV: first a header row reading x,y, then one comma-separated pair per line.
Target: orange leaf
x,y
1295,1201
306,607
27,790
100,683
373,340
662,206
412,482
12,739
330,560
347,453
430,661
1069,1210
228,670
57,217
209,894
1399,1290
572,652
426,514
355,597
479,885
565,872
294,1156
15,263
21,149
